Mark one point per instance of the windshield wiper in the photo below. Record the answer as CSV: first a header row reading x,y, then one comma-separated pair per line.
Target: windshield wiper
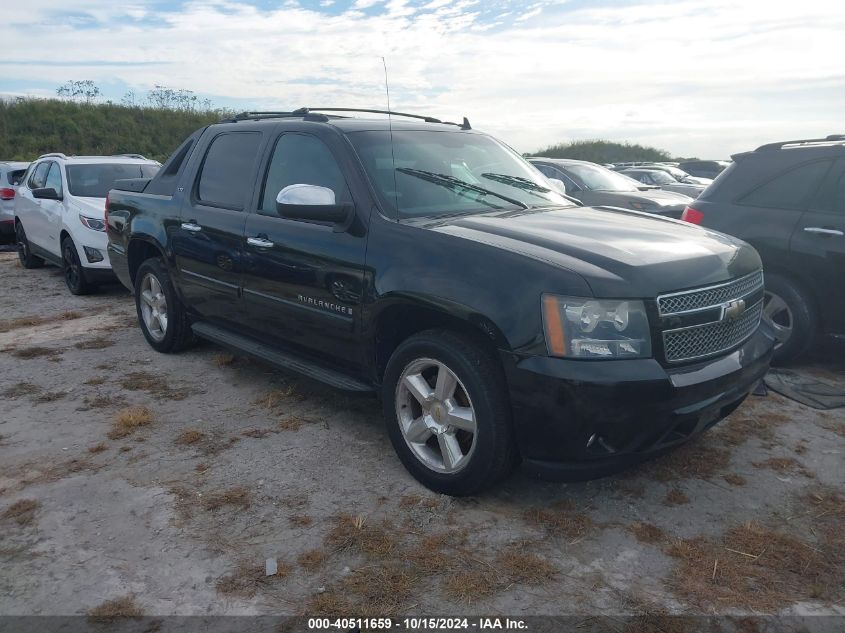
x,y
456,183
517,181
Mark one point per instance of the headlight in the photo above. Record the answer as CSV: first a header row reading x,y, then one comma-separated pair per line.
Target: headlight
x,y
577,327
92,223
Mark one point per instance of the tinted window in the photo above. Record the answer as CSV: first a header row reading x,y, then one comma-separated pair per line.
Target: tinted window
x,y
39,176
789,190
96,179
54,178
227,173
15,176
839,195
301,159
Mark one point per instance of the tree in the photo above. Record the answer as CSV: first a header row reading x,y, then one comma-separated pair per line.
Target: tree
x,y
84,89
604,152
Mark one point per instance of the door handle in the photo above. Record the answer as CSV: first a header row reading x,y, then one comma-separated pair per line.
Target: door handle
x,y
820,231
260,242
192,227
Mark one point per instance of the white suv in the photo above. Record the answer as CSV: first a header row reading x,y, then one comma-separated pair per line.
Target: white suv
x,y
10,176
60,213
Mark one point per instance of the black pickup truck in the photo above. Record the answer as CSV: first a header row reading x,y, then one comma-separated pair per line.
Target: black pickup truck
x,y
430,264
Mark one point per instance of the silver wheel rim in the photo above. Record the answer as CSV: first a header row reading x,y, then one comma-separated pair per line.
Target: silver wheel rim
x,y
776,312
153,307
436,416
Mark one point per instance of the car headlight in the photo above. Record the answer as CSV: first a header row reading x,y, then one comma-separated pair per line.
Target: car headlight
x,y
92,223
578,327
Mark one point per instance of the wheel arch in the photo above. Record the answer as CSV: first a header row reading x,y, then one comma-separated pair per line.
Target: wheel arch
x,y
140,249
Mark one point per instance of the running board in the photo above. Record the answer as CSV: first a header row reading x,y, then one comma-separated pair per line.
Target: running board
x,y
283,360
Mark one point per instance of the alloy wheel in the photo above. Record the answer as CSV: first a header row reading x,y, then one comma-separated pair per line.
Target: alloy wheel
x,y
436,416
72,267
778,314
153,303
23,249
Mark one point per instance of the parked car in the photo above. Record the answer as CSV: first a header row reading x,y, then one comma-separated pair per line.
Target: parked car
x,y
678,174
59,211
595,185
704,168
432,265
788,201
11,173
662,180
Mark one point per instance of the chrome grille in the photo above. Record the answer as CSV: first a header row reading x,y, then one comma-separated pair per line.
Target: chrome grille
x,y
709,297
705,340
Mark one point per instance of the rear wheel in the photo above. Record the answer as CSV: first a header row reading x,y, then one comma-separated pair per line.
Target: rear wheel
x,y
789,310
162,316
27,259
447,413
73,270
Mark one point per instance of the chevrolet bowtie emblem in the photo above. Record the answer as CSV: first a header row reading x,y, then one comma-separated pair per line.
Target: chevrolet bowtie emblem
x,y
733,309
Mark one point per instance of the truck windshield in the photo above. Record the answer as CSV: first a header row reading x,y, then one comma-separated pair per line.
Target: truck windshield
x,y
94,180
432,174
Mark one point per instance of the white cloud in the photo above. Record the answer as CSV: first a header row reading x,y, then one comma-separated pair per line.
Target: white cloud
x,y
703,77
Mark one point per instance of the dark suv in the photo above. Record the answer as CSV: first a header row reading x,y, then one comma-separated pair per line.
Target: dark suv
x,y
430,264
788,201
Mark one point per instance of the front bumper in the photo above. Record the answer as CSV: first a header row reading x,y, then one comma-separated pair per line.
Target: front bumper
x,y
585,419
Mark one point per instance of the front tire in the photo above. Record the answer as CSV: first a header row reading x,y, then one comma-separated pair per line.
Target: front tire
x,y
74,272
162,316
791,313
27,259
447,413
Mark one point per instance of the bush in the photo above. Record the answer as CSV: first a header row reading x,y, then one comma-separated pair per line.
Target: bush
x,y
604,152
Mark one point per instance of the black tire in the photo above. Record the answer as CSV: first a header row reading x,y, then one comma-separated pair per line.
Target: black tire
x,y
27,259
74,273
480,377
178,334
800,314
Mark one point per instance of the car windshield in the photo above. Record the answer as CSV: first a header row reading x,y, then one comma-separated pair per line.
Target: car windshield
x,y
433,174
678,174
661,177
596,178
94,180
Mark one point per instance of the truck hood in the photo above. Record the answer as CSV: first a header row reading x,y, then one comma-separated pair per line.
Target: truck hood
x,y
620,254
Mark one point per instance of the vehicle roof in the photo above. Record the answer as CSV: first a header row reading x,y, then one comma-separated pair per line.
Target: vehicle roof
x,y
351,124
87,160
14,164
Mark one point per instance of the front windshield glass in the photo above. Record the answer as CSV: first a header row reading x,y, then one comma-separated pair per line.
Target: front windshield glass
x,y
661,177
595,178
432,174
94,180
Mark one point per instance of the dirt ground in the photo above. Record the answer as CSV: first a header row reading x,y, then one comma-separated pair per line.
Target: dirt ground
x,y
134,482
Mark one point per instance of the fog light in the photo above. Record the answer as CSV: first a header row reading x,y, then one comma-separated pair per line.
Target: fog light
x,y
93,255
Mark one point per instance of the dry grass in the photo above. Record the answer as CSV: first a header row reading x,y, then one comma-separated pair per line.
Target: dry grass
x,y
471,585
201,467
647,533
100,342
754,567
275,398
257,433
524,567
224,360
35,352
787,465
104,401
246,580
561,520
153,385
416,501
696,460
20,389
49,396
96,381
128,421
125,449
739,427
312,560
381,589
237,496
8,325
301,520
124,607
734,479
97,448
293,423
356,534
21,512
675,497
189,436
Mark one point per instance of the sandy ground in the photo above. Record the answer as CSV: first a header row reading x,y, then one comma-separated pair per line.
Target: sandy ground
x,y
233,463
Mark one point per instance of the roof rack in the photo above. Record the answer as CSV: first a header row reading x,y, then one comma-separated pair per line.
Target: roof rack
x,y
315,114
139,156
52,155
827,139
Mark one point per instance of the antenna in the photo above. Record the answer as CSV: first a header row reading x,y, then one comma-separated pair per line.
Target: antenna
x,y
390,129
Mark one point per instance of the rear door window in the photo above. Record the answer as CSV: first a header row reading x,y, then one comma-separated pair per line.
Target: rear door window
x,y
789,190
228,171
15,176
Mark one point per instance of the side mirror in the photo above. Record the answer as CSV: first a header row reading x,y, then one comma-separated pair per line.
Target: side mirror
x,y
46,193
558,185
312,203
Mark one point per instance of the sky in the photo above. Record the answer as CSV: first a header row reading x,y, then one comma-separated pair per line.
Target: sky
x,y
704,78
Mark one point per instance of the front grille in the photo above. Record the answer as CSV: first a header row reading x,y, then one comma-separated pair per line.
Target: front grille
x,y
705,340
710,296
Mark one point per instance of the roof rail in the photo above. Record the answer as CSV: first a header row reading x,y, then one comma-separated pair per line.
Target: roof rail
x,y
827,139
139,156
315,112
52,155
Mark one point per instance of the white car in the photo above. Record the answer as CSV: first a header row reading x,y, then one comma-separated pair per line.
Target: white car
x,y
11,174
60,213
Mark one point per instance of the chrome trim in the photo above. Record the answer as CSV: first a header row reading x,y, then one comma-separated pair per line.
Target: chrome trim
x,y
757,307
211,279
693,291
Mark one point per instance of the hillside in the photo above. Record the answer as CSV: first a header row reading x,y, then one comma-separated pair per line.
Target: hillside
x,y
604,152
31,127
